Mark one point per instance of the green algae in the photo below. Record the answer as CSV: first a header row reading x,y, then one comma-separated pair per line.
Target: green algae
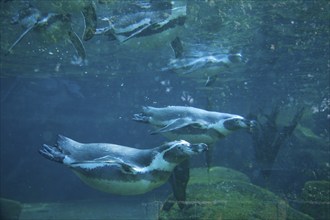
x,y
229,195
215,175
316,195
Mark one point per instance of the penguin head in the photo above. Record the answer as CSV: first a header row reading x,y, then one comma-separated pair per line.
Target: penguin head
x,y
235,57
237,122
177,151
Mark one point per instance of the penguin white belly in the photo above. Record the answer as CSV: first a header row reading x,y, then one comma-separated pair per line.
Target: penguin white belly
x,y
193,138
120,187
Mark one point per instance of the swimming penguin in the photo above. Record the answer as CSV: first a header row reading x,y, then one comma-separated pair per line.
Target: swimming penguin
x,y
119,169
194,125
137,23
202,61
87,8
191,124
52,26
192,64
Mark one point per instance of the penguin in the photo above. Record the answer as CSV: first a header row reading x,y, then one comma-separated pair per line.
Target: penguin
x,y
202,62
55,27
120,169
149,24
191,124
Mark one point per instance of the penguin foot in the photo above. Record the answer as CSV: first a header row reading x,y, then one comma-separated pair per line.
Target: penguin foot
x,y
52,153
141,118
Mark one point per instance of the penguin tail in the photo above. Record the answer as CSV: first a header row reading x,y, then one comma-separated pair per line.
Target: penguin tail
x,y
52,153
141,117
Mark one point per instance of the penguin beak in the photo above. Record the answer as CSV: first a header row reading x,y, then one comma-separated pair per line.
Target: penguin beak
x,y
245,123
198,148
238,122
253,125
250,124
235,58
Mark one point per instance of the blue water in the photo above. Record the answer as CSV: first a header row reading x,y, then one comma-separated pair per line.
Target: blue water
x,y
285,63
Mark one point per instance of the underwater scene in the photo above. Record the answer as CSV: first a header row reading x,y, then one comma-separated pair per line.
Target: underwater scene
x,y
158,109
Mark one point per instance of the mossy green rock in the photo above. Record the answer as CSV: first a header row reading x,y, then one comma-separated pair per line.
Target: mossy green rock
x,y
10,209
316,195
223,193
215,175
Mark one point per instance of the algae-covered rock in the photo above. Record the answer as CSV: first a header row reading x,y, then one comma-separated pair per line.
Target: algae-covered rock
x,y
215,175
10,209
316,195
229,195
308,136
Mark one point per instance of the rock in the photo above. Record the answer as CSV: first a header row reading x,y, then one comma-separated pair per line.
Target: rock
x,y
316,195
228,194
10,209
215,175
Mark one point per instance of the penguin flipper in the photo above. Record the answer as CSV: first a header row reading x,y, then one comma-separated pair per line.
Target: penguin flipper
x,y
141,117
78,45
52,153
89,14
123,38
106,161
175,125
125,167
19,39
177,47
210,80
